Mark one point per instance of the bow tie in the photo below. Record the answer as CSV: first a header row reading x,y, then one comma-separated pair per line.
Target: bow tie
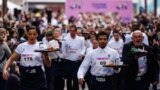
x,y
139,47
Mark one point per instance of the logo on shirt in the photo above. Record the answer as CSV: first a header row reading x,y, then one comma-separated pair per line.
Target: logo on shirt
x,y
102,58
23,49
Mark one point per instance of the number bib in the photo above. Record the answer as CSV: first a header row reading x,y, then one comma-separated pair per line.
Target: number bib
x,y
72,51
27,57
103,61
142,63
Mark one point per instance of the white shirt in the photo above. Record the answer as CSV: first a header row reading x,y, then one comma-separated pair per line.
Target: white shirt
x,y
45,41
73,48
64,34
116,45
89,50
54,22
84,42
145,40
28,56
45,22
128,38
54,44
89,43
110,35
14,40
95,58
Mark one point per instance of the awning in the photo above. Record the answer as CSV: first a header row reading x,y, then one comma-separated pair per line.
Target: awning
x,y
11,5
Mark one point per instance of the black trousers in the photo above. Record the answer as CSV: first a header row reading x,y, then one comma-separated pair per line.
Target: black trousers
x,y
101,83
13,82
48,76
71,69
57,75
64,69
117,80
2,82
87,78
141,84
32,78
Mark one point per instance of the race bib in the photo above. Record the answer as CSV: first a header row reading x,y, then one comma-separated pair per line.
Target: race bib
x,y
142,65
27,58
72,51
103,61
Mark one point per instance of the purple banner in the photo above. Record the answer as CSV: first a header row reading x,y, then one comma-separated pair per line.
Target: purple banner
x,y
121,7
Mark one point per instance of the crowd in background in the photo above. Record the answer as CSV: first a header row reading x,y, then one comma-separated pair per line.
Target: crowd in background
x,y
86,22
13,29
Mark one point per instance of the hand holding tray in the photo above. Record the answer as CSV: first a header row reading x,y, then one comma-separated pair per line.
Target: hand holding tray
x,y
111,65
43,51
46,50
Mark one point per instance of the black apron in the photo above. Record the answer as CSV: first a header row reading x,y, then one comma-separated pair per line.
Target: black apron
x,y
32,78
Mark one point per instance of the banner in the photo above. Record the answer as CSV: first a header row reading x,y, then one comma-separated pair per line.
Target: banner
x,y
121,7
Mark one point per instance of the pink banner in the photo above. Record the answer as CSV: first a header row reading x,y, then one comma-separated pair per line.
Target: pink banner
x,y
122,7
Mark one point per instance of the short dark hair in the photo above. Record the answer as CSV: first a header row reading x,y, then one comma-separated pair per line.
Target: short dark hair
x,y
31,28
115,31
108,28
101,33
74,26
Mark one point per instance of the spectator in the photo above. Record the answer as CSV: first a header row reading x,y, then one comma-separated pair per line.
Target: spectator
x,y
4,55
